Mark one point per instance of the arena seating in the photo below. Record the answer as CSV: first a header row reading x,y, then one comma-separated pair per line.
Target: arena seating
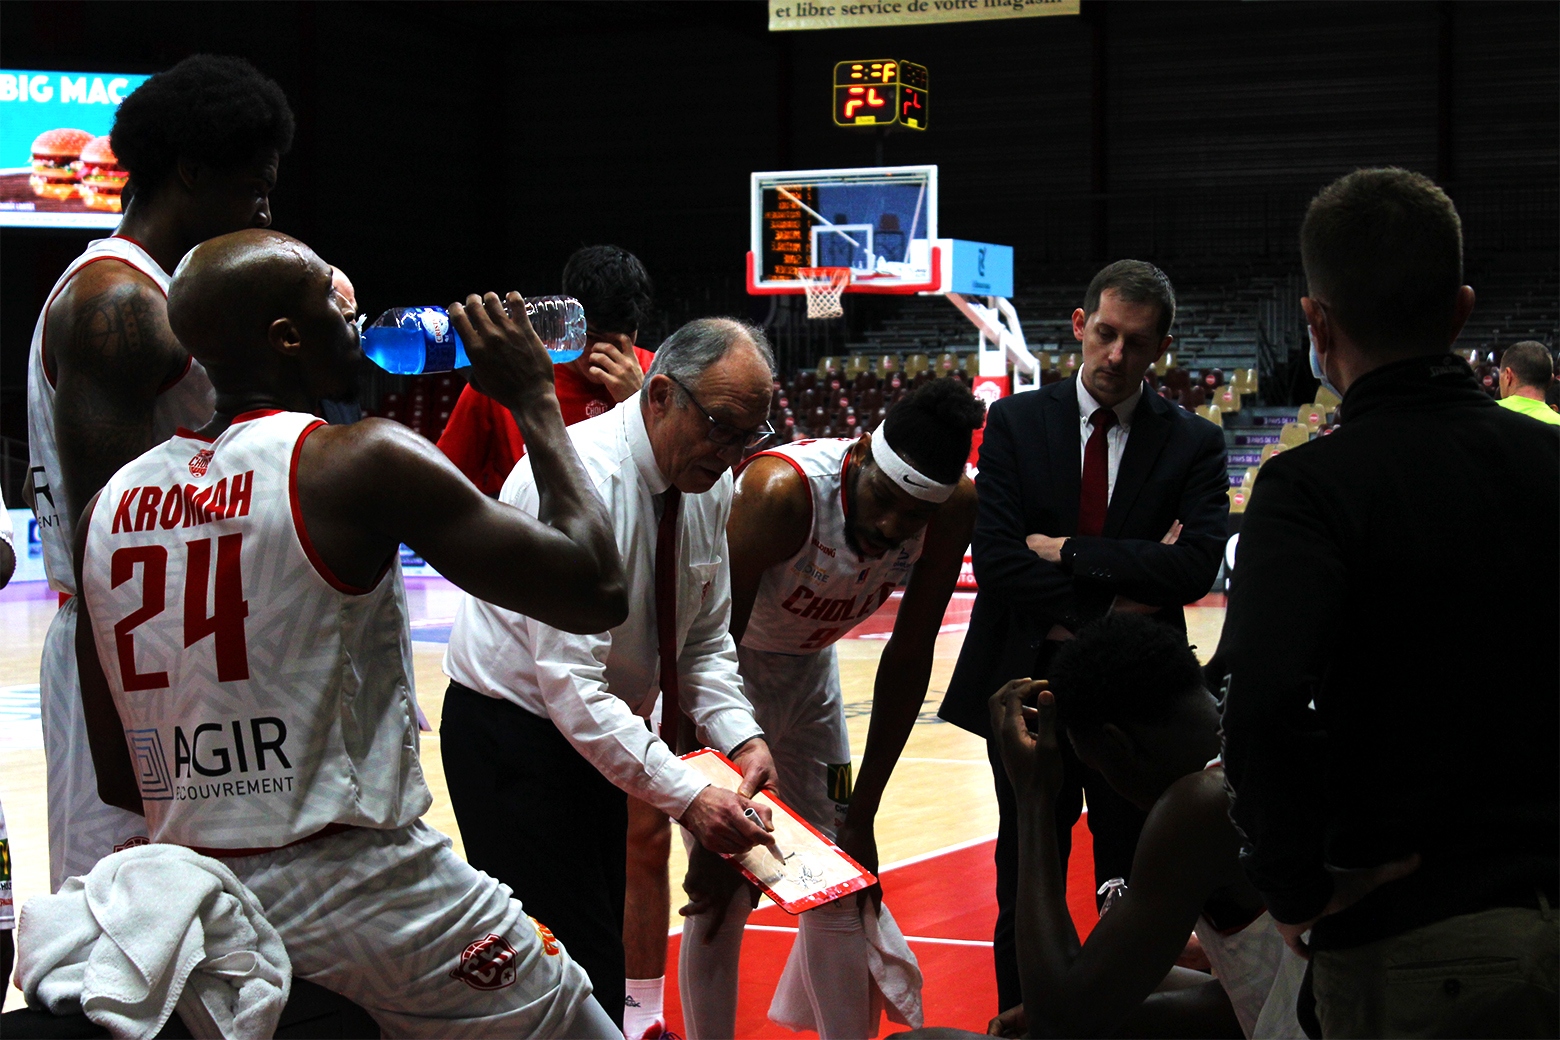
x,y
423,403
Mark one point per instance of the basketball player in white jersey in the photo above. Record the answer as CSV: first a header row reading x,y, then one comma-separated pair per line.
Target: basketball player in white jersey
x,y
245,652
822,532
107,379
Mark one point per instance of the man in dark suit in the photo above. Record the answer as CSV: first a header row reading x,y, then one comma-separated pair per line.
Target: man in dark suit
x,y
1096,495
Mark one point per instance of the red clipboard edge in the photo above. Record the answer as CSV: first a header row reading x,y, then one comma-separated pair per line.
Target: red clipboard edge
x,y
828,895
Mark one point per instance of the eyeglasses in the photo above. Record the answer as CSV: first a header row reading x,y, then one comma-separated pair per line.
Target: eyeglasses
x,y
723,433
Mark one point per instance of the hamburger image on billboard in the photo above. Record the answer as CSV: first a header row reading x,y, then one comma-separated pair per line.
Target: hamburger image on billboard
x,y
54,157
102,180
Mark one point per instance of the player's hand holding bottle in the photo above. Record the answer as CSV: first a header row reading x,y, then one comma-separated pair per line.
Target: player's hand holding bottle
x,y
508,361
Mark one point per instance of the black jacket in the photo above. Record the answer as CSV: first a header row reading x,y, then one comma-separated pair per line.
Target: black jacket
x,y
1173,469
1404,573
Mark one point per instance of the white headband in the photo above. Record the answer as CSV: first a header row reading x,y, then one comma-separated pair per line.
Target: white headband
x,y
913,481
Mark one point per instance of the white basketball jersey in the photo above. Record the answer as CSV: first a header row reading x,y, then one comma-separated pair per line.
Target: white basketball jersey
x,y
825,590
187,401
263,699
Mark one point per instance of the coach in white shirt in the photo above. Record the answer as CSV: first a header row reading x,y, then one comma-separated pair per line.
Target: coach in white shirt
x,y
544,730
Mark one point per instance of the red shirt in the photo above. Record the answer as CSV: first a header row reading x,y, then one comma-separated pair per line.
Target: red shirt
x,y
481,437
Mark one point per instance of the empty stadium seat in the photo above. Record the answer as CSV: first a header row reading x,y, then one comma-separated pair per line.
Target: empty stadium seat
x,y
1293,434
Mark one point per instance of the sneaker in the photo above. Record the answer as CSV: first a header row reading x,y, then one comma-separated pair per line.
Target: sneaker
x,y
658,1031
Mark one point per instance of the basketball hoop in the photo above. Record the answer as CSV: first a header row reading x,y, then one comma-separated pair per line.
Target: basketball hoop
x,y
824,286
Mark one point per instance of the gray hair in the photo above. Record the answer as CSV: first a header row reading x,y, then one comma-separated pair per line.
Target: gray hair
x,y
686,353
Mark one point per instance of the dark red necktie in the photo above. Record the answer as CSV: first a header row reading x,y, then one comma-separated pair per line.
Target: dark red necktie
x,y
666,613
1094,498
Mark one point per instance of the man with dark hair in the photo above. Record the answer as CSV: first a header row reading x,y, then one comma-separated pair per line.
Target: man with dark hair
x,y
107,379
1094,496
1396,784
615,291
1526,370
544,730
822,533
1130,695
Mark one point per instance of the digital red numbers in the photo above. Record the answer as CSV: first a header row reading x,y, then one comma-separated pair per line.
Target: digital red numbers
x,y
880,92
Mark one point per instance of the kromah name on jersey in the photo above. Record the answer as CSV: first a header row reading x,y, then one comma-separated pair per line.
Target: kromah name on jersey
x,y
183,505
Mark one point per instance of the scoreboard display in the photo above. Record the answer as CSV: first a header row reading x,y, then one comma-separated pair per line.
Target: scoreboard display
x,y
881,92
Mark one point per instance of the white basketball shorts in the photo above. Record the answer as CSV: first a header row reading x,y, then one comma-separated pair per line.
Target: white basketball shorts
x,y
82,827
423,941
797,701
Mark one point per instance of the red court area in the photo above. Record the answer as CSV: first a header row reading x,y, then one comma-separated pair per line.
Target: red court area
x,y
945,904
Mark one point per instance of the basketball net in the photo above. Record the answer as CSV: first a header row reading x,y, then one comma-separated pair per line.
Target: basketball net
x,y
824,286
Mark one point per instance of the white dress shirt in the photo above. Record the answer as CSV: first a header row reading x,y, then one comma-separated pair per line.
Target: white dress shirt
x,y
1115,437
599,689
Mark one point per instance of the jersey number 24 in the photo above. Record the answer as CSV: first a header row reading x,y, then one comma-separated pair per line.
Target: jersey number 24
x,y
225,622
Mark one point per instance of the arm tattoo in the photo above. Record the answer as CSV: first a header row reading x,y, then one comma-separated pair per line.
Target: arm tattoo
x,y
118,352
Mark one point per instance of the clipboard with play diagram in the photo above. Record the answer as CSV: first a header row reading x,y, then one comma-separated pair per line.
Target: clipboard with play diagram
x,y
809,871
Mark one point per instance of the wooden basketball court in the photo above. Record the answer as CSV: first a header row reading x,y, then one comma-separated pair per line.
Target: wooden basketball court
x,y
937,817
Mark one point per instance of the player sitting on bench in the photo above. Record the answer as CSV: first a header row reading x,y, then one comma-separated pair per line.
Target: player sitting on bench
x,y
1130,695
244,621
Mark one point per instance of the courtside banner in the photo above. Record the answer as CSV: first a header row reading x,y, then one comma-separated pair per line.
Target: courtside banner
x,y
862,14
807,869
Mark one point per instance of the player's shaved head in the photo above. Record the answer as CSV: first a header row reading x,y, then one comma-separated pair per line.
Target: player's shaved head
x,y
257,309
228,290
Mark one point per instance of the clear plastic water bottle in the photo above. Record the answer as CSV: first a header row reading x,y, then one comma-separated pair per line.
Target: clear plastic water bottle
x,y
411,340
559,322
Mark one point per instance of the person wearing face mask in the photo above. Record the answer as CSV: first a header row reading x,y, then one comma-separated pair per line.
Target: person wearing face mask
x,y
544,733
1095,495
1394,783
107,379
822,533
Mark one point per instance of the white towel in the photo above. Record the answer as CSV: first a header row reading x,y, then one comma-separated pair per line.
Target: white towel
x,y
895,975
151,929
894,967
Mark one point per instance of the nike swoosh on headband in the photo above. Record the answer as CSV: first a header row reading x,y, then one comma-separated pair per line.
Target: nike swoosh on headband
x,y
916,484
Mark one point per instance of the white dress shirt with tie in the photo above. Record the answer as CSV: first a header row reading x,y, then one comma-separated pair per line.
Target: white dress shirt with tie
x,y
1115,437
599,689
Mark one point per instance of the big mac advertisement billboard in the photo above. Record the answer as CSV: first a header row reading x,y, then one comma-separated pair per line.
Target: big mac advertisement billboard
x,y
56,168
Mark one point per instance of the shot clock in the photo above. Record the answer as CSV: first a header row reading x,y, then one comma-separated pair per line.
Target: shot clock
x,y
881,92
